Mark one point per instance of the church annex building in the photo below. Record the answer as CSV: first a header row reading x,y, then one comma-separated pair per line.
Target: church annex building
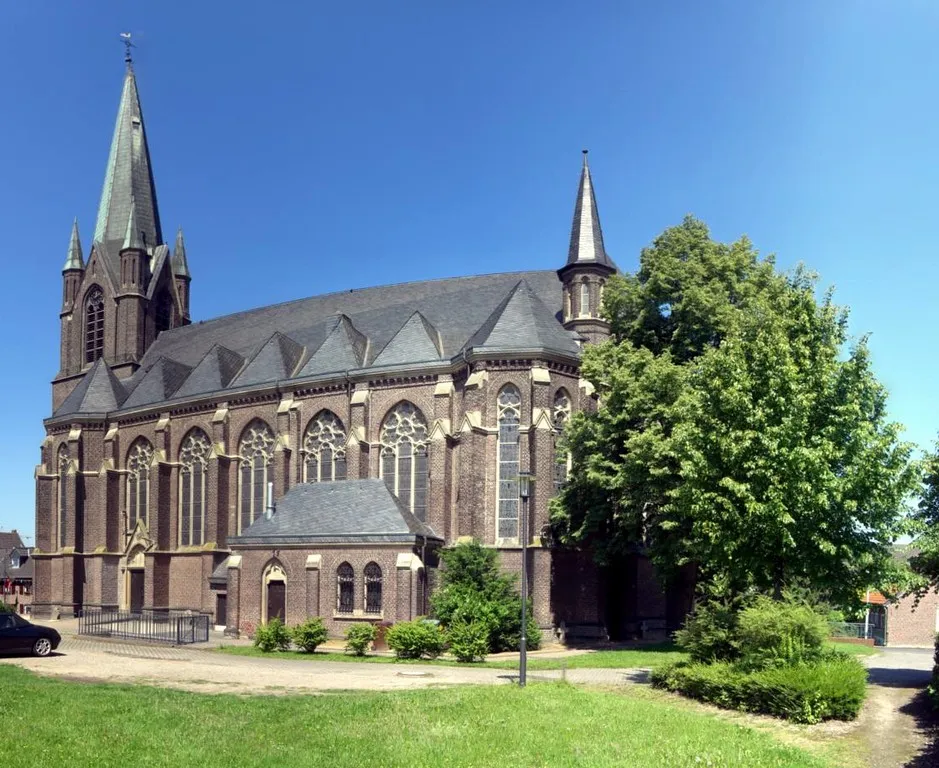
x,y
309,458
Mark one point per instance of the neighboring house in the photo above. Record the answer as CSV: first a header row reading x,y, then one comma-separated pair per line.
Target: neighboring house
x,y
908,621
16,572
372,425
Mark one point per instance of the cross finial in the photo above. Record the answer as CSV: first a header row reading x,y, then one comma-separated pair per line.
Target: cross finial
x,y
125,38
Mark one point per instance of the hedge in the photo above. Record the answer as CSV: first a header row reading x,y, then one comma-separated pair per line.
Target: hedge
x,y
832,689
933,688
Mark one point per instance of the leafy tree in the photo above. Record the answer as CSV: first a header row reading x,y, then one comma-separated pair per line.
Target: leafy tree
x,y
475,591
736,431
923,572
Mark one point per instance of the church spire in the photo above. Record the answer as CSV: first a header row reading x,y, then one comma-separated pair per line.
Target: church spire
x,y
74,260
179,263
129,177
586,236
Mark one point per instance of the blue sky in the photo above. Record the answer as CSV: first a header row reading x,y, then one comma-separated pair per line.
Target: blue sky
x,y
311,147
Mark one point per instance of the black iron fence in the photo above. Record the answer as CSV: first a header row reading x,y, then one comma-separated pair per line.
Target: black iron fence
x,y
174,627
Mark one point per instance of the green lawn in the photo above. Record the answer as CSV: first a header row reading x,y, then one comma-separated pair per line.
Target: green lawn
x,y
62,723
855,649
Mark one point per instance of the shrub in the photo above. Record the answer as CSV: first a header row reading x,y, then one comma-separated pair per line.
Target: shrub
x,y
804,693
772,633
468,640
359,637
710,632
272,636
933,688
414,639
308,635
4,608
474,590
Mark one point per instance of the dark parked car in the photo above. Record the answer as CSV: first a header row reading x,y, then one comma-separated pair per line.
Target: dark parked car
x,y
19,636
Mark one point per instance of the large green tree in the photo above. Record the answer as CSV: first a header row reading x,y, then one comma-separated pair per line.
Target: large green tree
x,y
736,431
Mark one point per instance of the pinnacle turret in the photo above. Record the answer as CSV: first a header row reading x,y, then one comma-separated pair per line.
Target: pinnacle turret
x,y
74,260
179,263
586,236
133,238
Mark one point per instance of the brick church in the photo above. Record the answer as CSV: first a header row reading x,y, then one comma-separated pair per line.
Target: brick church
x,y
308,458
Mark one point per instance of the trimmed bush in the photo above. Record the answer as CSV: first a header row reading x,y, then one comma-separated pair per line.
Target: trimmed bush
x,y
774,633
359,638
272,636
468,640
4,608
710,632
308,635
474,589
933,688
832,689
416,639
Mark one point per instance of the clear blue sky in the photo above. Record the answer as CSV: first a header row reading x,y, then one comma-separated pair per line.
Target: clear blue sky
x,y
311,147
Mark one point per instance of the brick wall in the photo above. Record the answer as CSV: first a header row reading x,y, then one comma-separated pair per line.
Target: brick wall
x,y
913,625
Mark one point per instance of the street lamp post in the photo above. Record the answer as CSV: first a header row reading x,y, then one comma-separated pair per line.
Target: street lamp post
x,y
526,481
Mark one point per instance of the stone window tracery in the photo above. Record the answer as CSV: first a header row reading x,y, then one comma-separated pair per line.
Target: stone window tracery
x,y
63,496
94,325
193,456
560,413
509,404
345,589
256,451
325,447
372,588
404,440
139,460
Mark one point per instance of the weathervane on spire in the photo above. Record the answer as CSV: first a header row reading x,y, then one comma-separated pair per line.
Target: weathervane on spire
x,y
125,38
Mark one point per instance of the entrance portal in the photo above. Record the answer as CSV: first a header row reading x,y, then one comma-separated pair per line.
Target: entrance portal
x,y
276,600
136,590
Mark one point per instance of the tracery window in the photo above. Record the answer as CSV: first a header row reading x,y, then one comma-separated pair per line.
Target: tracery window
x,y
560,413
345,588
94,325
372,588
404,456
193,456
585,298
509,405
63,495
325,446
139,459
256,450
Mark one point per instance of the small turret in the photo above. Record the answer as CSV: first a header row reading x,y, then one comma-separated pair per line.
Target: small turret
x,y
181,274
133,255
74,270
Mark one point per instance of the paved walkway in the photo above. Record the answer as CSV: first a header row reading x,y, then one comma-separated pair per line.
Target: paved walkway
x,y
210,672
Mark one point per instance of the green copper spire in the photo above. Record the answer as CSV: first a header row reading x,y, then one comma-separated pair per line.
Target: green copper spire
x,y
129,178
74,259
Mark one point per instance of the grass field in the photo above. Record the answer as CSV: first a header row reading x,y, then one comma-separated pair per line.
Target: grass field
x,y
648,656
61,723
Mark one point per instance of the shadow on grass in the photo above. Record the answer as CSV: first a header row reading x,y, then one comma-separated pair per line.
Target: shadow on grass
x,y
927,720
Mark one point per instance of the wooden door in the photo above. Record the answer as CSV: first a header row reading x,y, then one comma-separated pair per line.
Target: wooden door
x,y
276,600
136,591
221,610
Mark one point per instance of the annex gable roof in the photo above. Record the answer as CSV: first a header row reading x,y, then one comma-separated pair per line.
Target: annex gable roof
x,y
98,392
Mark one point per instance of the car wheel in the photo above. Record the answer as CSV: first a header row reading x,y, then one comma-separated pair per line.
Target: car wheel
x,y
42,647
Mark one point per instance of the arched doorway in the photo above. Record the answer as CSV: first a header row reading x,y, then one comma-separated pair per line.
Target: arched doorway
x,y
274,593
134,581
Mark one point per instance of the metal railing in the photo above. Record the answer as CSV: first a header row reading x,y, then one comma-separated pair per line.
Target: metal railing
x,y
167,626
858,631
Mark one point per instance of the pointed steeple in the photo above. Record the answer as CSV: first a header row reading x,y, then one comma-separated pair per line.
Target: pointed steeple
x,y
586,236
128,178
74,260
180,264
132,235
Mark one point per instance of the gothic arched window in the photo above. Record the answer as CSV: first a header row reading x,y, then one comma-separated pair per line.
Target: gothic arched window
x,y
372,588
404,456
94,325
193,456
560,413
345,589
256,450
139,459
325,446
509,405
585,297
63,495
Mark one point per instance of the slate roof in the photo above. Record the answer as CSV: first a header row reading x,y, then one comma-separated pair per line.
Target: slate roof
x,y
10,541
340,512
220,574
98,392
586,234
390,327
